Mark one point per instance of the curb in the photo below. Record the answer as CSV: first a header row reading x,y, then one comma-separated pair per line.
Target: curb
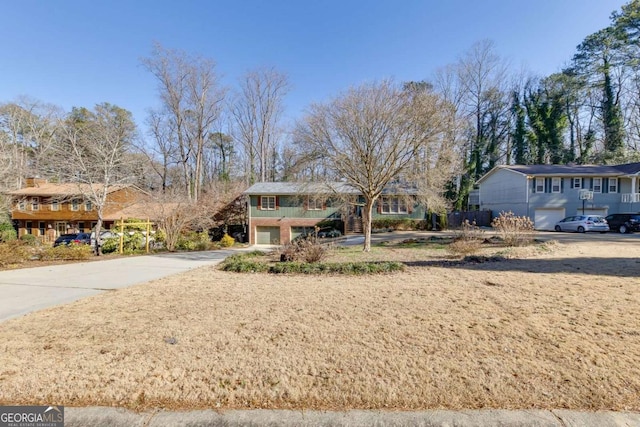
x,y
117,417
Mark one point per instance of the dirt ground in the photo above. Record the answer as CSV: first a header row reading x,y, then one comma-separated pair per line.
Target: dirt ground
x,y
550,326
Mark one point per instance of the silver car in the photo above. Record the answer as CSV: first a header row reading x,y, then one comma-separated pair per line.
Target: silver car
x,y
583,223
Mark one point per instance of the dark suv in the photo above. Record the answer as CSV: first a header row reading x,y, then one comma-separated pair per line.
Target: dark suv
x,y
77,238
624,222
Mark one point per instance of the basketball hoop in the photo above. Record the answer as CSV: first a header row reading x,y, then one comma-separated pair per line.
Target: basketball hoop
x,y
586,195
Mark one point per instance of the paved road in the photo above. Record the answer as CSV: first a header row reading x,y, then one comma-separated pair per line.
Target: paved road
x,y
116,417
25,290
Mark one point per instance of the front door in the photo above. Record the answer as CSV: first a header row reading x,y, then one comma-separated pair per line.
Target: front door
x,y
61,227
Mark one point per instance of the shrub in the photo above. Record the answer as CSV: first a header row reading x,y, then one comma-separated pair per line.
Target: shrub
x,y
308,250
243,264
398,224
467,240
193,241
7,232
514,230
66,252
110,245
29,239
227,241
313,251
13,252
247,263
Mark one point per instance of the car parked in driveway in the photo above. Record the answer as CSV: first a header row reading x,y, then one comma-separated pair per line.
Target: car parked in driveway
x,y
104,235
624,222
329,233
77,238
583,223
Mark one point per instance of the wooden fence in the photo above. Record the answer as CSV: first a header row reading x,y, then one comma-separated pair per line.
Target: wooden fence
x,y
481,218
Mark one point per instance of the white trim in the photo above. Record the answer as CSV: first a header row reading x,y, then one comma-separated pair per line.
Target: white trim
x,y
573,181
268,208
556,182
599,188
609,186
540,180
314,204
393,205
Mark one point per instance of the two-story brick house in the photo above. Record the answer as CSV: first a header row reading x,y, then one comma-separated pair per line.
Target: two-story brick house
x,y
47,209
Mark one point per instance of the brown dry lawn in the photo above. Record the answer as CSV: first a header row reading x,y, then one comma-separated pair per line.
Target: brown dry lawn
x,y
553,326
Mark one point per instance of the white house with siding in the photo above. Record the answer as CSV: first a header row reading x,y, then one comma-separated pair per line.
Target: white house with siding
x,y
548,193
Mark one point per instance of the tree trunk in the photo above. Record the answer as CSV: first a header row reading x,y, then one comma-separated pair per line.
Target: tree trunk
x,y
98,249
366,223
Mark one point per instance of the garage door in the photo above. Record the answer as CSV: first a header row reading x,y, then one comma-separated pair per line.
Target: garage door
x,y
545,219
268,235
298,231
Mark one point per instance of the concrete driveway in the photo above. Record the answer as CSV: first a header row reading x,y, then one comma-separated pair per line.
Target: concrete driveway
x,y
31,289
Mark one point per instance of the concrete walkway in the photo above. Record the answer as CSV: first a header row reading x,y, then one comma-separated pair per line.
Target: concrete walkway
x,y
31,289
113,417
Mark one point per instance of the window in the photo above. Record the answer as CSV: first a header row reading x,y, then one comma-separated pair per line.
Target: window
x,y
314,204
88,205
613,185
556,184
22,205
41,227
393,205
539,185
268,203
577,183
81,227
55,205
28,225
35,203
597,185
75,205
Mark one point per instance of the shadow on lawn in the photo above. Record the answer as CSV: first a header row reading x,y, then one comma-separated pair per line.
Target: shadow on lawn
x,y
619,267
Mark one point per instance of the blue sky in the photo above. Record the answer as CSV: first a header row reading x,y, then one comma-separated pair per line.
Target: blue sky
x,y
80,53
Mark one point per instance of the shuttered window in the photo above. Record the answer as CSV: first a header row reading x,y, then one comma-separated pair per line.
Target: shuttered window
x,y
268,203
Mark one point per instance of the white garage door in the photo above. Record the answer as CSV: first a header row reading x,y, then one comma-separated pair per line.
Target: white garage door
x,y
268,235
545,219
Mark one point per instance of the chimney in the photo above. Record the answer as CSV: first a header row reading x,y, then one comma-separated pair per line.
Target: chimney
x,y
35,181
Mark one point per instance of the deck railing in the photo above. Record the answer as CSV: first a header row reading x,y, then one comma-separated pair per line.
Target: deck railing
x,y
630,197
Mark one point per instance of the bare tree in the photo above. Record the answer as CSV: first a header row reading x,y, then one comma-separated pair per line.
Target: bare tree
x,y
256,110
438,160
94,154
370,135
29,129
192,97
481,74
175,213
